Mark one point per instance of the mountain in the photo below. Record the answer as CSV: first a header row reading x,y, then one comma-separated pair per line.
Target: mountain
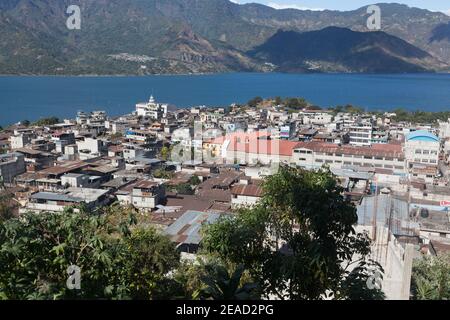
x,y
336,49
179,36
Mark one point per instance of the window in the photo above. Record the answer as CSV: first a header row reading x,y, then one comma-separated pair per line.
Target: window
x,y
426,152
418,151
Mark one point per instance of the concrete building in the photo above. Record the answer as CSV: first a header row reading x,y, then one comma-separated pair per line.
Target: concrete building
x,y
63,139
422,147
361,134
20,140
313,155
244,195
152,109
79,180
57,201
144,195
11,165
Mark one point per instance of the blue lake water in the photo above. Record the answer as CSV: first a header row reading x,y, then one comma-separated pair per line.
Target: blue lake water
x,y
32,98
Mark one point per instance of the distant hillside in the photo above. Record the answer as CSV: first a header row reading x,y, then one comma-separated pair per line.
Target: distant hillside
x,y
184,36
342,50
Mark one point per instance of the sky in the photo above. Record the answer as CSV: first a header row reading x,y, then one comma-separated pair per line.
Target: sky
x,y
433,5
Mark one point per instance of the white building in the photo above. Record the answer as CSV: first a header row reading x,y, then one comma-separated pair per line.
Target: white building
x,y
245,195
313,155
144,195
422,147
361,134
72,197
152,109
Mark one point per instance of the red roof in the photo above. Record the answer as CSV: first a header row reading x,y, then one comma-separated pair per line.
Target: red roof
x,y
263,146
240,136
376,150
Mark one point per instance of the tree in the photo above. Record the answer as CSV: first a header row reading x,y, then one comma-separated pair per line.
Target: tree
x,y
117,261
195,180
6,206
150,256
25,123
253,103
431,278
165,153
278,101
46,122
184,188
299,241
295,103
222,285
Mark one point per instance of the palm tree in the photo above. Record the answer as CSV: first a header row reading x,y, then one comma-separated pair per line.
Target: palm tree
x,y
222,285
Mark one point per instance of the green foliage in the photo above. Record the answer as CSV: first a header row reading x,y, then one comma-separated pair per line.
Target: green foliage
x,y
162,174
149,257
165,153
347,109
431,278
295,103
116,136
25,123
46,122
299,241
219,284
116,261
184,188
6,206
253,103
425,117
194,180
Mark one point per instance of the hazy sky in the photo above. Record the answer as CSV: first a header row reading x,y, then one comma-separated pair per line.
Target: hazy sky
x,y
434,5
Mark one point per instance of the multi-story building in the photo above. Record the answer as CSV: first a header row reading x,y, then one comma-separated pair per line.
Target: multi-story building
x,y
11,165
422,147
144,195
152,109
361,134
313,155
62,139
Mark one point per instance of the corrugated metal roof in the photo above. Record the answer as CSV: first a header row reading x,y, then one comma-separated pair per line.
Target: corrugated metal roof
x,y
187,228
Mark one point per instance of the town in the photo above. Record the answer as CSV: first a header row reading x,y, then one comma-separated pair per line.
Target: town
x,y
182,168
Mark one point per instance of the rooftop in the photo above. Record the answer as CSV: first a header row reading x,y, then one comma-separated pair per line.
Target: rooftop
x,y
187,228
422,135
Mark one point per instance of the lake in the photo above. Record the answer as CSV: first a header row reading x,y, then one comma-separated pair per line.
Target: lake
x,y
32,98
